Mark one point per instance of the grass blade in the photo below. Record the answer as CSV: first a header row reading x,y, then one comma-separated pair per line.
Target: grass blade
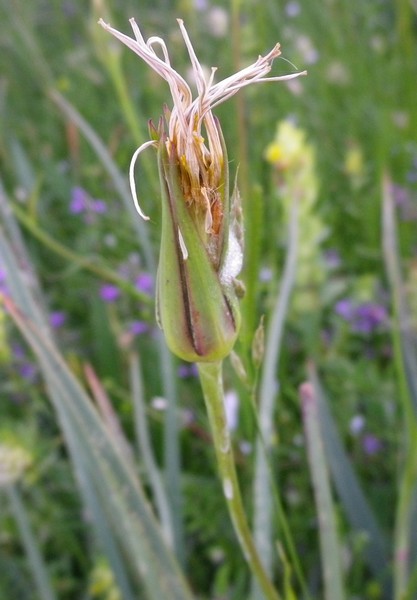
x,y
142,435
262,495
348,488
329,544
36,562
405,361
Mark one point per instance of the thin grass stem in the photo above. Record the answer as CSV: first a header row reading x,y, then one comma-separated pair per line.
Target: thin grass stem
x,y
212,383
144,442
408,481
263,497
36,562
329,544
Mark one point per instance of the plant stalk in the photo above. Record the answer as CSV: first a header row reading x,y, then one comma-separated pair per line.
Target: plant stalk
x,y
212,384
36,562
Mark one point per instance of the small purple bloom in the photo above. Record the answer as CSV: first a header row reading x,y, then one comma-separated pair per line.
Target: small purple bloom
x,y
78,200
400,195
28,371
406,202
138,327
412,173
201,4
332,258
187,370
144,283
371,444
265,274
57,319
18,352
109,292
292,9
245,447
3,285
368,317
364,318
345,309
99,206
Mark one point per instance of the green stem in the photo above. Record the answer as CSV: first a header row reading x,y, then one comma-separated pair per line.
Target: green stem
x,y
263,496
403,525
212,384
329,542
145,446
30,544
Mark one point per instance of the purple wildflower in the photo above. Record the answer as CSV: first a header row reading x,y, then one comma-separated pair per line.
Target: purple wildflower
x,y
138,327
332,258
292,9
364,318
99,206
400,195
109,292
18,352
405,202
3,284
78,200
28,371
371,444
144,283
265,274
412,173
200,4
245,447
81,202
345,309
187,370
57,319
368,317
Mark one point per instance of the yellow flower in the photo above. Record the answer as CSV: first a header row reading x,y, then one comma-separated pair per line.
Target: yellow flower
x,y
289,149
354,165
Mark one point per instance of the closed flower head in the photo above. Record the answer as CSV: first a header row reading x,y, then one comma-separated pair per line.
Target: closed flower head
x,y
201,235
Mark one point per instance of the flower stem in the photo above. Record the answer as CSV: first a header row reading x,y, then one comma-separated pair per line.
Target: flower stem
x,y
212,384
36,562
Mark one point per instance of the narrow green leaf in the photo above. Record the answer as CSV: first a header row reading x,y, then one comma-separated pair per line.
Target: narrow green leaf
x,y
348,488
144,441
329,543
405,361
262,495
36,562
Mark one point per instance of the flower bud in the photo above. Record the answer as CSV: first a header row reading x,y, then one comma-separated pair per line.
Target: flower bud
x,y
201,252
197,305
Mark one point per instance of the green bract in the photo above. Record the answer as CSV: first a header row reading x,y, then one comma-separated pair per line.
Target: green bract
x,y
197,304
